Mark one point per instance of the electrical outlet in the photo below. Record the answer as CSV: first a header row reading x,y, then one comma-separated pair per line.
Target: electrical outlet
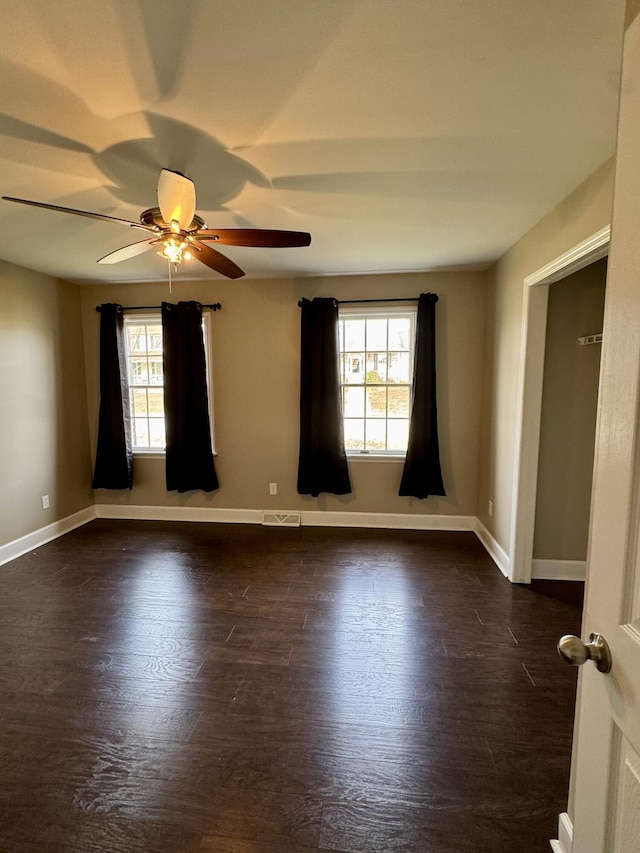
x,y
273,488
490,507
45,502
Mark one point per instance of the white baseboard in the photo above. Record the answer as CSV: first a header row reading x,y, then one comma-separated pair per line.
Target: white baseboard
x,y
311,518
180,513
397,521
559,570
564,842
39,537
493,547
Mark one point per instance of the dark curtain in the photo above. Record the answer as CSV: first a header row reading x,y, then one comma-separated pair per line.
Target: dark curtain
x,y
114,453
189,457
322,464
422,476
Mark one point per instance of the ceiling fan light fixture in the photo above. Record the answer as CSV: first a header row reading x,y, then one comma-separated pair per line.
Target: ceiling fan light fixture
x,y
173,249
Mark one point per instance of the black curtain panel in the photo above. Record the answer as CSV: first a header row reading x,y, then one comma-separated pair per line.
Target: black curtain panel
x,y
422,475
189,457
322,463
114,453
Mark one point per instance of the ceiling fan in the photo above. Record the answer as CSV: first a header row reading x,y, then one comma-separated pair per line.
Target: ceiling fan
x,y
178,233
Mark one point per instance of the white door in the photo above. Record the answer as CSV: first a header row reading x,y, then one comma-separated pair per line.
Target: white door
x,y
604,800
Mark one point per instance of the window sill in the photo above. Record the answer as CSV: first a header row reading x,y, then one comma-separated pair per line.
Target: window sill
x,y
154,454
375,457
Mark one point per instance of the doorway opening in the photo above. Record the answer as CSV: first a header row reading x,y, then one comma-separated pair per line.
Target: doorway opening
x,y
530,395
568,424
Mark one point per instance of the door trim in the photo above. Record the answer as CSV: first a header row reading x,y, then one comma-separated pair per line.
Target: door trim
x,y
529,406
564,841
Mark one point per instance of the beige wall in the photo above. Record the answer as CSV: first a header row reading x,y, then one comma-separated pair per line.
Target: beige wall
x,y
256,377
256,349
568,428
581,214
44,445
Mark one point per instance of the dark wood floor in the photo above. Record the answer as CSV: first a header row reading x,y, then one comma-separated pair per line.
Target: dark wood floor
x,y
234,689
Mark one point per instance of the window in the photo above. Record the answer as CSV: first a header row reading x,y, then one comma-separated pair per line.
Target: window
x,y
144,358
376,365
143,340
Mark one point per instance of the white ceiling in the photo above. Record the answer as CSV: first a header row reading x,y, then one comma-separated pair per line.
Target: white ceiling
x,y
403,134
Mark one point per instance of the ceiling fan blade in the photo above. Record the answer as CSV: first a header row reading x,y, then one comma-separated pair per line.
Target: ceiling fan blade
x,y
215,260
129,251
75,212
176,198
259,237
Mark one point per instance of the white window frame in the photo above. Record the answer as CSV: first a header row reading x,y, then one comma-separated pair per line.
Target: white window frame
x,y
133,318
382,311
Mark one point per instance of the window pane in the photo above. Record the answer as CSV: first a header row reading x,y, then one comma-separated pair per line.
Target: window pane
x,y
397,434
137,338
376,367
377,334
399,402
354,335
353,402
155,371
354,433
157,433
400,333
376,403
139,399
154,339
354,367
140,432
156,401
139,371
376,435
399,367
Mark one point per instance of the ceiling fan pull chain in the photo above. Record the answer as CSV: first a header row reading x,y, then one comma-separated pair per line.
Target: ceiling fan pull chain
x,y
169,265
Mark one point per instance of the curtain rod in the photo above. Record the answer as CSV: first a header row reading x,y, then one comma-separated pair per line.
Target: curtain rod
x,y
216,306
356,301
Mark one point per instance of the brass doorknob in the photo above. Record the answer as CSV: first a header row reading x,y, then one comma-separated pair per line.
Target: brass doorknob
x,y
574,651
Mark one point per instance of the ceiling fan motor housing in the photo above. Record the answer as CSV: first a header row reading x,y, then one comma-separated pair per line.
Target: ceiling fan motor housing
x,y
152,218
